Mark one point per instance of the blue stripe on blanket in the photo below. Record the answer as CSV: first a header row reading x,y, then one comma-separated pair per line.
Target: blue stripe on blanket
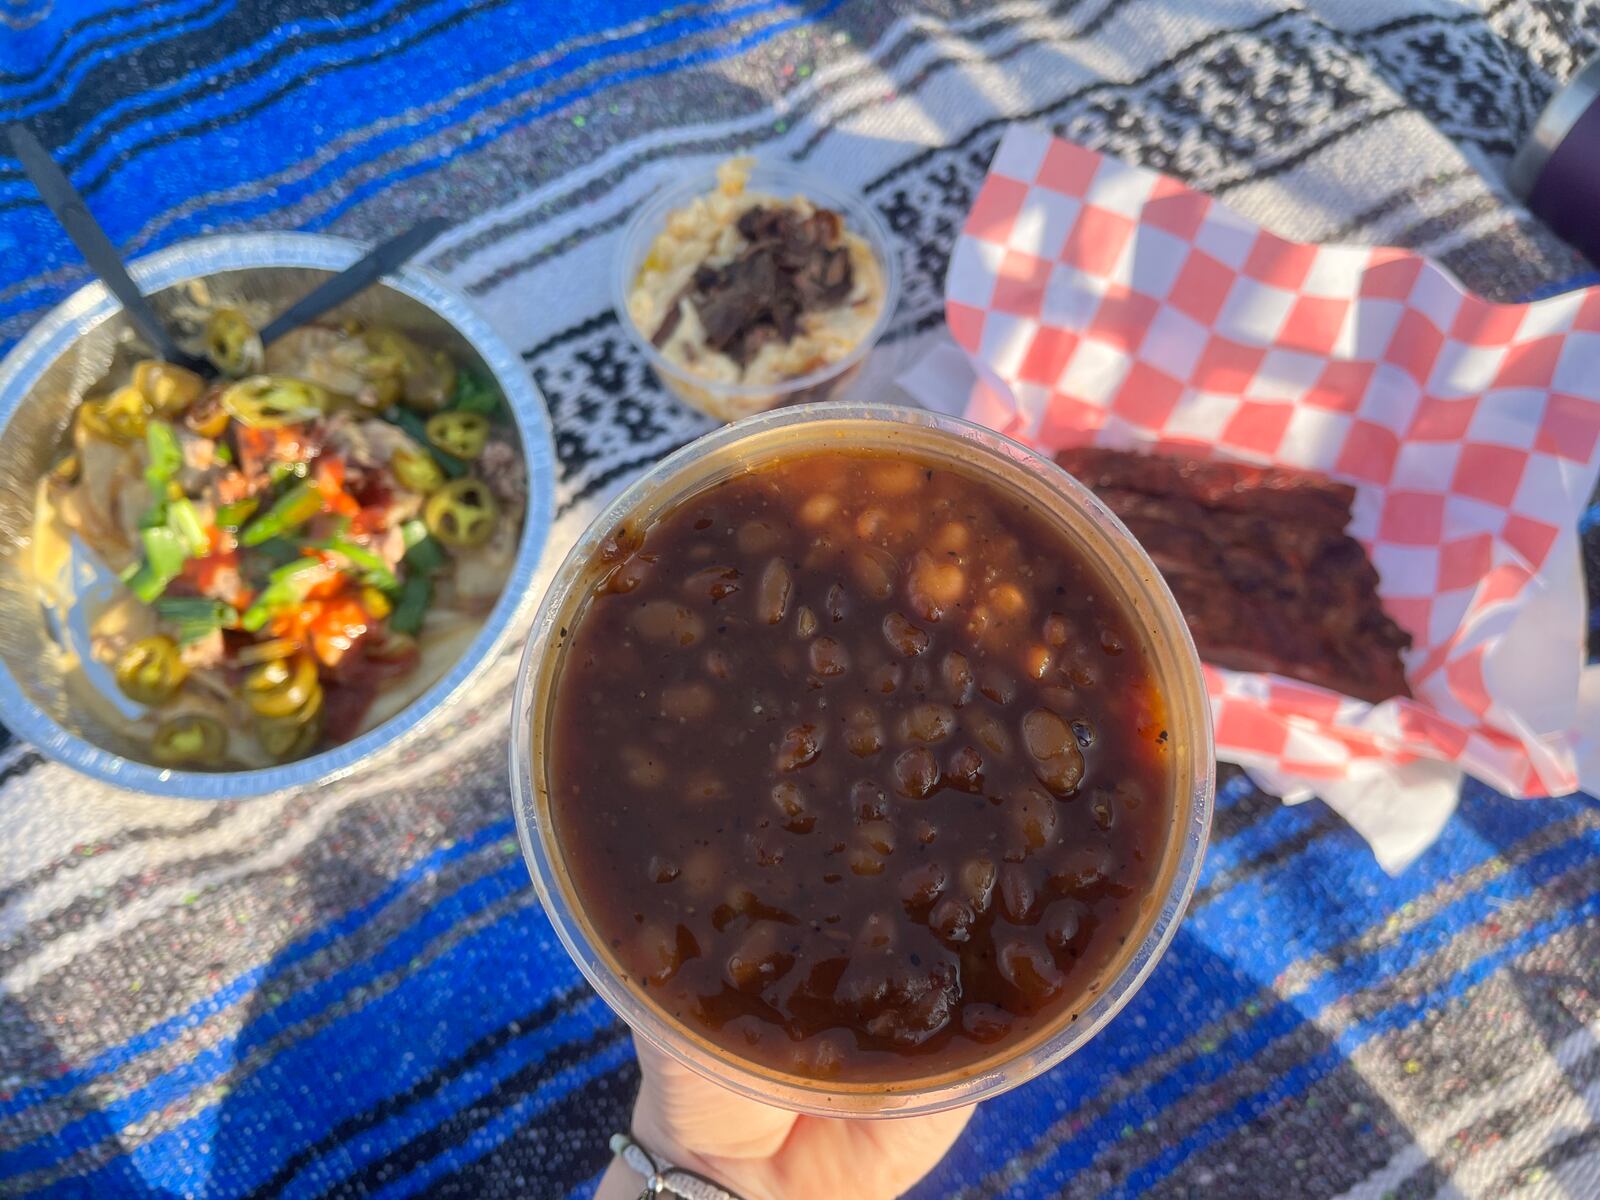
x,y
63,60
124,205
1189,981
1214,969
116,1056
476,987
208,1064
305,118
678,63
1296,1081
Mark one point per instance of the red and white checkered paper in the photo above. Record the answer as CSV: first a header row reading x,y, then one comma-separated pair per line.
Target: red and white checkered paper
x,y
1104,303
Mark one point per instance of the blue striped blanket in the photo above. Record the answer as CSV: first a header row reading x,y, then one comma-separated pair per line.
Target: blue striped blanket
x,y
352,990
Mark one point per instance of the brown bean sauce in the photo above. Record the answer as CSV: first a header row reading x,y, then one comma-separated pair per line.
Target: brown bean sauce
x,y
858,767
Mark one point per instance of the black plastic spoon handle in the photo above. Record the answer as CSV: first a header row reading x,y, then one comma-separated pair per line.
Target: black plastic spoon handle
x,y
356,278
62,199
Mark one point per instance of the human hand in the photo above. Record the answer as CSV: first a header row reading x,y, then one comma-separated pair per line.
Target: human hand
x,y
766,1153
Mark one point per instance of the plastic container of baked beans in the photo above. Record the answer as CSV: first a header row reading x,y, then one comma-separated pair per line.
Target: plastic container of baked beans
x,y
727,401
1102,541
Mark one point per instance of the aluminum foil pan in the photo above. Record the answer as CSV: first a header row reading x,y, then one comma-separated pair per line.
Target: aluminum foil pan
x,y
72,348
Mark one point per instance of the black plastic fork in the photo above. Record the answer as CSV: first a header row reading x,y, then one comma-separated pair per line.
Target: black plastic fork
x,y
63,200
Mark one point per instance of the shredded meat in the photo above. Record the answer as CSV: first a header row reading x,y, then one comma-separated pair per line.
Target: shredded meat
x,y
203,652
480,571
391,544
504,471
789,265
368,442
110,496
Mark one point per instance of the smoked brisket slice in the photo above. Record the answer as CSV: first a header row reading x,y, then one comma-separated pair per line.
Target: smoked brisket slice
x,y
1261,566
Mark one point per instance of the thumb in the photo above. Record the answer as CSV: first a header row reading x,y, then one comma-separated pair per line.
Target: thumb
x,y
686,1117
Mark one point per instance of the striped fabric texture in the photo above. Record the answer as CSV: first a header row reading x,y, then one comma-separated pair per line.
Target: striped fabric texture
x,y
352,991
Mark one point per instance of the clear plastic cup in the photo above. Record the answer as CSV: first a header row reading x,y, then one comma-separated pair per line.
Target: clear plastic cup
x,y
1100,538
730,401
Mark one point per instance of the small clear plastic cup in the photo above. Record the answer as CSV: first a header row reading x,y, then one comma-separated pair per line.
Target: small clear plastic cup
x,y
731,401
1101,539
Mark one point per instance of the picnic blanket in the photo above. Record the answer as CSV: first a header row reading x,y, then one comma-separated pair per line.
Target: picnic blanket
x,y
352,991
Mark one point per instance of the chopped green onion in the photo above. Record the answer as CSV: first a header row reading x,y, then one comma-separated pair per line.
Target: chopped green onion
x,y
231,516
196,617
195,608
288,512
415,596
185,522
164,556
166,457
304,565
423,554
373,570
476,394
282,472
287,586
277,551
417,429
163,548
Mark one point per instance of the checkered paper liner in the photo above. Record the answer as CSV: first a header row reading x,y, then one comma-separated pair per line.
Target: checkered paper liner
x,y
1107,304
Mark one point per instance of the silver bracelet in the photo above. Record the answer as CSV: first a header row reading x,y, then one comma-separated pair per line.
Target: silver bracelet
x,y
661,1178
